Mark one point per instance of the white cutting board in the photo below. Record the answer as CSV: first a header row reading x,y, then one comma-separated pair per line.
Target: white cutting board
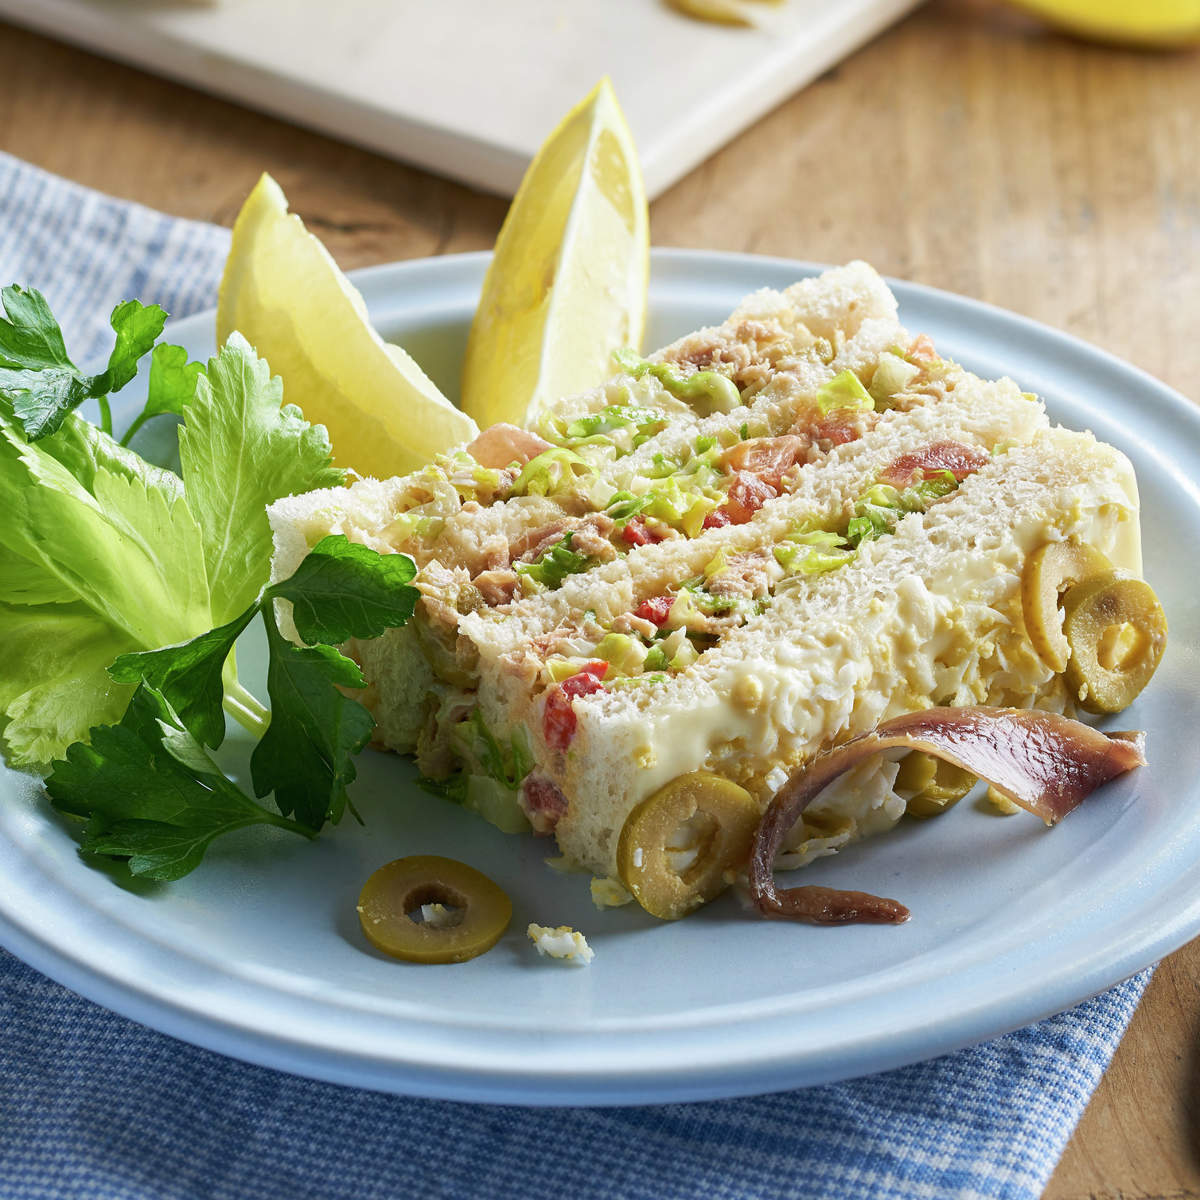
x,y
470,88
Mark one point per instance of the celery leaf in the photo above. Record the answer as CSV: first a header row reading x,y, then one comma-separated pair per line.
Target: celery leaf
x,y
241,450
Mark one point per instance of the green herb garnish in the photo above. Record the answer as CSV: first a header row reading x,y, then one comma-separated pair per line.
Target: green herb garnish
x,y
706,391
552,567
146,784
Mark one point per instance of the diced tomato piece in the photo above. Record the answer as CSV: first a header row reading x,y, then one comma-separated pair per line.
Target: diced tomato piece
x,y
636,533
768,458
558,720
747,494
958,459
837,429
587,678
922,350
716,519
656,609
543,803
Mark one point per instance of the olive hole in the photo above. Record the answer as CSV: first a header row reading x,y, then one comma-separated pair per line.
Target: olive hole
x,y
1121,647
689,846
435,905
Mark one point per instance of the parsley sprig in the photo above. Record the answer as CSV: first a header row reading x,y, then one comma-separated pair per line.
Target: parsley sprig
x,y
124,588
44,386
147,786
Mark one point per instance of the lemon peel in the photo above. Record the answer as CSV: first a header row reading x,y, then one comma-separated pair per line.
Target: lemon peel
x,y
567,283
284,293
1151,23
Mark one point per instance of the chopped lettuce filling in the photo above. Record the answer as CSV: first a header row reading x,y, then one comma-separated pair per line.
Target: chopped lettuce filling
x,y
468,478
704,391
552,567
682,504
698,615
656,658
695,600
559,668
552,473
879,509
625,654
892,376
673,653
813,552
624,506
489,782
681,498
609,433
621,682
621,427
844,390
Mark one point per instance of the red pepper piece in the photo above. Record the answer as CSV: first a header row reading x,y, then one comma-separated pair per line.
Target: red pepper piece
x,y
656,609
558,720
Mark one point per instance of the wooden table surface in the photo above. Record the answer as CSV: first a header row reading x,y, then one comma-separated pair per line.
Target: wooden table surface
x,y
964,149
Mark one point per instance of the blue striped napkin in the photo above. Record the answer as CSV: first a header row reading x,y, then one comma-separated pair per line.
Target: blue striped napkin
x,y
95,1105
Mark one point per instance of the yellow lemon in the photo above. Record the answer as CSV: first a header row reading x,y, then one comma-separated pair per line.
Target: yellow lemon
x,y
1148,22
284,293
567,284
720,12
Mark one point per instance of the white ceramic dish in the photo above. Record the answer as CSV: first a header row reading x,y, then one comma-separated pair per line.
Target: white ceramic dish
x,y
259,955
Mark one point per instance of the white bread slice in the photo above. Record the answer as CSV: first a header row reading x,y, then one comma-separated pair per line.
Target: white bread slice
x,y
795,332
836,306
973,411
849,308
930,614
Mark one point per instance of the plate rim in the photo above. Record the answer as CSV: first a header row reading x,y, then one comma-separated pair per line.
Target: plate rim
x,y
620,1084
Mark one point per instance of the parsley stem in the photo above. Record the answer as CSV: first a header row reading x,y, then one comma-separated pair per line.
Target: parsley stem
x,y
105,414
139,421
245,709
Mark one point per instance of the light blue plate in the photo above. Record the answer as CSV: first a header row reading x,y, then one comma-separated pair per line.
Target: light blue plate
x,y
259,954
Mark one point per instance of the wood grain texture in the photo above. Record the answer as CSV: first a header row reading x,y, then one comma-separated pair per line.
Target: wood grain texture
x,y
965,149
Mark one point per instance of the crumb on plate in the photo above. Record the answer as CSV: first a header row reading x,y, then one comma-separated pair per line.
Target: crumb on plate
x,y
562,942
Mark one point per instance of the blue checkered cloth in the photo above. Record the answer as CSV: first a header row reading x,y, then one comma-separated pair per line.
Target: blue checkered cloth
x,y
96,1106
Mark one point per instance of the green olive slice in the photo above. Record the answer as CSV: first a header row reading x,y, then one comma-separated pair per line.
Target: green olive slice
x,y
1048,572
1117,632
717,819
1002,806
399,889
936,785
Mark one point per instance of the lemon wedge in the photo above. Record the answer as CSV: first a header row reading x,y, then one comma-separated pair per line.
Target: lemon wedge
x,y
284,293
567,283
720,12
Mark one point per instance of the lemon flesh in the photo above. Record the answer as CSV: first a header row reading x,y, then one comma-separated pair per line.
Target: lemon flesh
x,y
1149,23
567,283
284,293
